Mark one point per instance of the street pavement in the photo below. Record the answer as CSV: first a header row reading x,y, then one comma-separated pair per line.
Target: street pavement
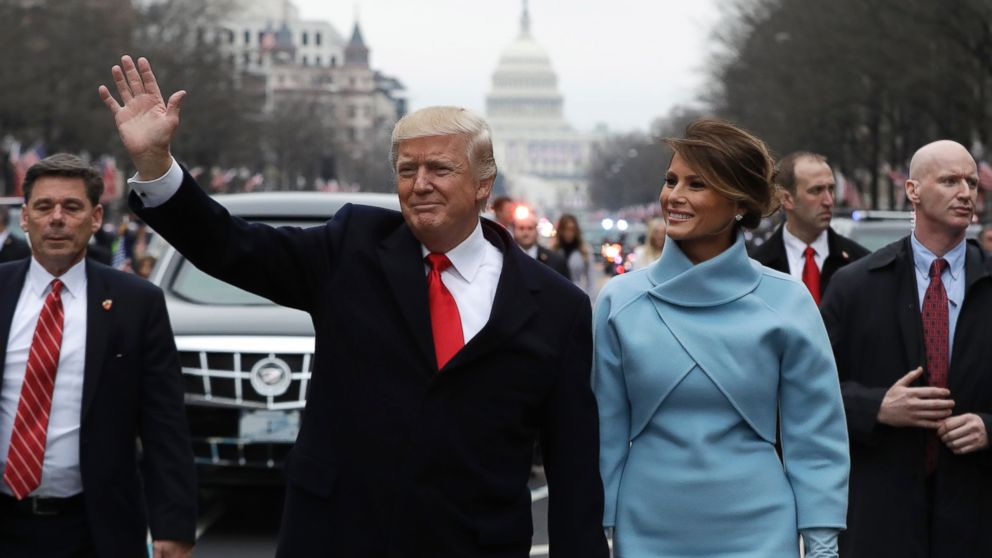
x,y
245,522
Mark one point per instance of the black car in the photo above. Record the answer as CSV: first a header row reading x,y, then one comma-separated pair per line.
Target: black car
x,y
246,362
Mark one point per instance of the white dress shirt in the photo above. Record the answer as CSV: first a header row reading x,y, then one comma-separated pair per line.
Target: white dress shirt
x,y
60,475
471,279
795,248
532,251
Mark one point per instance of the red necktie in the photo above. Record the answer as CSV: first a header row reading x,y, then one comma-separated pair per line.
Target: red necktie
x,y
27,441
446,323
811,274
935,340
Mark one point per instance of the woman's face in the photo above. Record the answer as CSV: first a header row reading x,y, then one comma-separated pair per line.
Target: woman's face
x,y
698,216
568,231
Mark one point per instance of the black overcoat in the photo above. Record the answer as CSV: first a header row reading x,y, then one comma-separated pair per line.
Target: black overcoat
x,y
395,458
872,313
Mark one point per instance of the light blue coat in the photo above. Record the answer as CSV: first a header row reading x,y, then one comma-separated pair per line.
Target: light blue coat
x,y
693,366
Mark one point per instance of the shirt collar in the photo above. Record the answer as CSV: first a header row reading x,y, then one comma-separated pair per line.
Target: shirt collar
x,y
923,258
467,257
73,281
820,245
532,251
3,237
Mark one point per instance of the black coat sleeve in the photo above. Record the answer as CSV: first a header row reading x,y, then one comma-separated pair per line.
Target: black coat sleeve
x,y
570,445
167,453
861,403
277,263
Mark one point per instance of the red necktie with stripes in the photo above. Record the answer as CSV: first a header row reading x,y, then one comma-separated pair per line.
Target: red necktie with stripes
x,y
935,340
27,441
811,274
446,323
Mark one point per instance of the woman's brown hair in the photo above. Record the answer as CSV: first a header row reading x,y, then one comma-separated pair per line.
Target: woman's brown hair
x,y
732,161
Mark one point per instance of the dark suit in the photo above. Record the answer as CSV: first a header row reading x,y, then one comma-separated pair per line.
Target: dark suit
x,y
131,389
14,249
843,251
872,314
554,260
395,458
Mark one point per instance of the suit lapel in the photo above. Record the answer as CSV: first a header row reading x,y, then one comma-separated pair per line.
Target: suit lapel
x,y
907,299
836,259
11,285
513,306
98,324
400,258
780,261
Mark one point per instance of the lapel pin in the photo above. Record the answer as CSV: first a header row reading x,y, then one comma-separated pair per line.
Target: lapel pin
x,y
846,257
107,304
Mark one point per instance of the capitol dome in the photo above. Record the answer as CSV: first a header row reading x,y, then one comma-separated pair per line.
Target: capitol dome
x,y
524,86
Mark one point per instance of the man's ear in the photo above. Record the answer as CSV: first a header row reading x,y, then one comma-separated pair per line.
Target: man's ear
x,y
788,202
913,190
485,188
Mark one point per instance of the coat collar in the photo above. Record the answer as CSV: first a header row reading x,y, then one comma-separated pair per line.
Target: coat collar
x,y
719,280
99,320
403,266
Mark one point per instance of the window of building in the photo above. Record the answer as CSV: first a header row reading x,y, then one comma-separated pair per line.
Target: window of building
x,y
316,38
305,60
334,61
261,34
247,37
305,39
247,59
316,61
352,133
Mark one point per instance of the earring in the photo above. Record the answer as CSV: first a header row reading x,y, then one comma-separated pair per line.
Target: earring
x,y
738,217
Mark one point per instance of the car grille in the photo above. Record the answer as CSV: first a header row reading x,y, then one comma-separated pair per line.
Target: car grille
x,y
219,388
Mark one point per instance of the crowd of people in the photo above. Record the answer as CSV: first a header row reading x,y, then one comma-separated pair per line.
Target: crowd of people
x,y
712,403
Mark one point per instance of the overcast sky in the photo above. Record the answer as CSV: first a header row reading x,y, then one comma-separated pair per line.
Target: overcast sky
x,y
619,62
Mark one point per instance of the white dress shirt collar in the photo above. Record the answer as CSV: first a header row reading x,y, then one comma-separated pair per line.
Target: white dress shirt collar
x,y
74,281
795,251
3,236
467,257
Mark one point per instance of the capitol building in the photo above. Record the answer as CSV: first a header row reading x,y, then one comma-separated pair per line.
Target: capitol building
x,y
543,160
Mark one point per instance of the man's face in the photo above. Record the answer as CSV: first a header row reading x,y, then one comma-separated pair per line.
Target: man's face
x,y
439,194
504,214
59,220
944,194
525,232
811,206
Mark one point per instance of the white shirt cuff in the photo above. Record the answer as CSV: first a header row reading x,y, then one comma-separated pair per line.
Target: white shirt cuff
x,y
154,193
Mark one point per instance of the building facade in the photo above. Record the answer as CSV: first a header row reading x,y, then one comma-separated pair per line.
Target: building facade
x,y
543,160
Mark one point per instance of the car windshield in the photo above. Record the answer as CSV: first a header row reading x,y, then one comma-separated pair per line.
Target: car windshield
x,y
196,286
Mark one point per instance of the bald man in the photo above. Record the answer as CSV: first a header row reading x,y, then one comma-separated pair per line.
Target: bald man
x,y
909,329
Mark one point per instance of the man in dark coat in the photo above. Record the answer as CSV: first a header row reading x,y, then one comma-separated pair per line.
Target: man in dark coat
x,y
88,369
909,328
443,351
805,246
11,247
525,233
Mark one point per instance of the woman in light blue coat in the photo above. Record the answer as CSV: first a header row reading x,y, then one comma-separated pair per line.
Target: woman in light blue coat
x,y
702,359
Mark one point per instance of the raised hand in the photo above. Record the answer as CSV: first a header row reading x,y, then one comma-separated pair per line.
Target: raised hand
x,y
145,122
922,407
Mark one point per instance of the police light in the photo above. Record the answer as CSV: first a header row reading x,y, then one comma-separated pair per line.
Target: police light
x,y
607,224
621,225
